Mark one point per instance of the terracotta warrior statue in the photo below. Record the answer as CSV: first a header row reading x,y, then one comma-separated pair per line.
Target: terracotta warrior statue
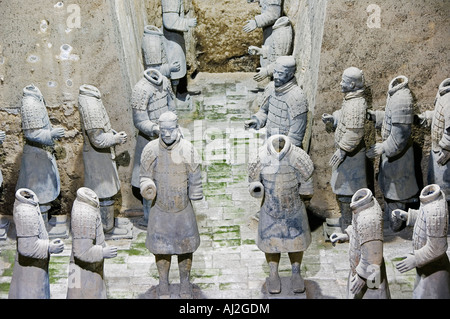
x,y
279,44
396,179
175,24
270,13
276,175
367,278
349,160
439,121
429,243
171,179
152,96
284,108
100,170
154,52
86,276
30,279
38,170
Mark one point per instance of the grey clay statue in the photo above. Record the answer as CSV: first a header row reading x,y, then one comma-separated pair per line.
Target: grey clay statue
x,y
152,96
175,24
396,179
154,52
86,276
38,170
100,170
30,279
429,243
279,44
270,13
284,108
439,121
349,161
171,179
367,278
276,175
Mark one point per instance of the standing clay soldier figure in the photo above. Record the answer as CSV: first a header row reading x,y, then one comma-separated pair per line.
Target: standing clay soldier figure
x,y
152,96
439,120
396,178
277,175
171,176
154,53
270,13
430,245
280,44
86,277
175,24
38,170
367,278
284,108
100,170
349,160
30,279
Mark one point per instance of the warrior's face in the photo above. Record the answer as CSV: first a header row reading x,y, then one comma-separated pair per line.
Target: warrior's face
x,y
282,75
347,84
169,132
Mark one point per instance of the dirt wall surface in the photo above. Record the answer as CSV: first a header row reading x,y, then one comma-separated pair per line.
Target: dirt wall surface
x,y
407,38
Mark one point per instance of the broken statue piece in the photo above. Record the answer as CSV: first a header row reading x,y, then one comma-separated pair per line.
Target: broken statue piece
x,y
430,245
397,177
367,278
170,179
86,276
439,121
276,175
38,169
100,139
349,164
30,279
152,96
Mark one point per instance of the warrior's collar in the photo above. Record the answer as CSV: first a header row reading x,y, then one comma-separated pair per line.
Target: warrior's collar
x,y
354,95
26,196
154,76
444,88
362,200
397,84
286,87
430,194
275,142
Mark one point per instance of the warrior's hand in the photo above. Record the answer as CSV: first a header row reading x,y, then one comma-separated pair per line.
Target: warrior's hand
x,y
250,26
192,23
444,157
338,238
251,124
121,138
256,189
57,133
371,116
399,214
375,151
422,119
156,130
407,264
357,284
337,158
261,75
109,252
2,136
56,246
148,190
175,66
327,118
253,50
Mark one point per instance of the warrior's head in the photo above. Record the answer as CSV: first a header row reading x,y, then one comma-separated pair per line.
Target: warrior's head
x,y
169,128
90,90
88,196
32,90
352,80
284,70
